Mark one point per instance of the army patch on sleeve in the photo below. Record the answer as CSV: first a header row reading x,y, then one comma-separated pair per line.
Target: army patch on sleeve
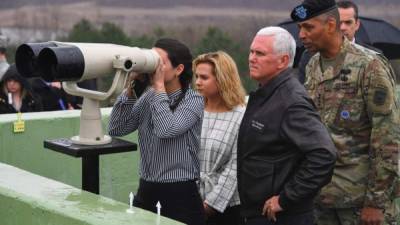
x,y
380,96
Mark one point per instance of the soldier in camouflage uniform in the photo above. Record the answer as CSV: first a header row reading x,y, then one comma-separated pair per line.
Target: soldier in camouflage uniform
x,y
354,91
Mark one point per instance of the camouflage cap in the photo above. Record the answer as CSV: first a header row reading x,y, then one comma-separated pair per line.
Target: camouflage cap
x,y
311,8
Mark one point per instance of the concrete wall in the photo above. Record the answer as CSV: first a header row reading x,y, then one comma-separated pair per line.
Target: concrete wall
x,y
26,198
118,172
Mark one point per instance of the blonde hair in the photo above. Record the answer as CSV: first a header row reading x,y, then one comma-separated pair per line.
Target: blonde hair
x,y
227,76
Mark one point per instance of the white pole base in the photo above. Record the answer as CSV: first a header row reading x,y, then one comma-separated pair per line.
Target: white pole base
x,y
90,141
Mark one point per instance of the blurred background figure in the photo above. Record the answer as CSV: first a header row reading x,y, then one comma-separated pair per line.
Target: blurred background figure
x,y
349,21
15,94
52,95
3,59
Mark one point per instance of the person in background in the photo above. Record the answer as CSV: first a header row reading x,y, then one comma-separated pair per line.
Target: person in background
x,y
285,153
349,21
354,91
3,59
15,94
52,95
168,117
218,81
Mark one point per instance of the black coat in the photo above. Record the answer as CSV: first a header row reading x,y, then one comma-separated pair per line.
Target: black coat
x,y
283,148
52,98
30,103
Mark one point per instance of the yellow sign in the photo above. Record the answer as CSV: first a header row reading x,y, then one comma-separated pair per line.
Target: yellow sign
x,y
19,125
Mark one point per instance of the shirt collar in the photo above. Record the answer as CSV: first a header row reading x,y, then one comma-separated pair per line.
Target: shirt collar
x,y
175,94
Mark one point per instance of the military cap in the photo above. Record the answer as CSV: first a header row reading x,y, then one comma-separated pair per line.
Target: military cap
x,y
311,8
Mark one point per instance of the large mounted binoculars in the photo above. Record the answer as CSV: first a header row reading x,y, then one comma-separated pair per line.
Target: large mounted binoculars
x,y
63,61
74,62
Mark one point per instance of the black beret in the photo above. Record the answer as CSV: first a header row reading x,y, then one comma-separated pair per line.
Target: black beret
x,y
311,8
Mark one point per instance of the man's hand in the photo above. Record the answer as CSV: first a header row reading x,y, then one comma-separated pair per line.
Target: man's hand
x,y
208,210
271,207
371,216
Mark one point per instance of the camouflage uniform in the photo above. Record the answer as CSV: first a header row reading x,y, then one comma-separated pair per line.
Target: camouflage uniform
x,y
357,102
398,92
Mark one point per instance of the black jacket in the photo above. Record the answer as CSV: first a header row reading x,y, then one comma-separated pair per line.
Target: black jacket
x,y
52,98
30,103
283,148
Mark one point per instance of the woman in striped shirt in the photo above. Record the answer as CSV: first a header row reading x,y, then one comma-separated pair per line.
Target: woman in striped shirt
x,y
168,118
217,79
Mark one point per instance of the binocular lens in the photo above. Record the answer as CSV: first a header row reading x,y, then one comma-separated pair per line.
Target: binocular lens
x,y
61,63
26,58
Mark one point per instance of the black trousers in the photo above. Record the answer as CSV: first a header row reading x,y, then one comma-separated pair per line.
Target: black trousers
x,y
297,219
180,201
231,216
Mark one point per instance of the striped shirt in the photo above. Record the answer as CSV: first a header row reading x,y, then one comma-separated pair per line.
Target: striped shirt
x,y
168,140
218,158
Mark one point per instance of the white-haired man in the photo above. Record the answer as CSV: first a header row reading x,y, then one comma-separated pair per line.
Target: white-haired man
x,y
285,154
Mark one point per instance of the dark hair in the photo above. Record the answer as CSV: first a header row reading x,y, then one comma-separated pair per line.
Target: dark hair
x,y
178,53
348,5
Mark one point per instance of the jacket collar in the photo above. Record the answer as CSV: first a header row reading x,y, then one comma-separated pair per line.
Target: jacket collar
x,y
268,89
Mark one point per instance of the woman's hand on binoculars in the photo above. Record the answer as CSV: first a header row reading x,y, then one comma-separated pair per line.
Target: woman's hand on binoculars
x,y
130,83
158,78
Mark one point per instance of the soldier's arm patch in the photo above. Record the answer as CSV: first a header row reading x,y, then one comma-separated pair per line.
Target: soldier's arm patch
x,y
381,89
379,96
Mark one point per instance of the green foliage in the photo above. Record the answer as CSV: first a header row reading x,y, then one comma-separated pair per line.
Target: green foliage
x,y
111,33
215,39
159,32
143,41
84,31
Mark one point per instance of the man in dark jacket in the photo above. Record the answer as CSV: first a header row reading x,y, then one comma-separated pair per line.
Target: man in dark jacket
x,y
285,154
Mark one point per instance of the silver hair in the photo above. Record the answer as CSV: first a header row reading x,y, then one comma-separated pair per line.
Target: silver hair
x,y
284,42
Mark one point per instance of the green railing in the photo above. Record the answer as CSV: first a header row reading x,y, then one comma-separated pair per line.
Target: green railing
x,y
22,202
31,199
118,172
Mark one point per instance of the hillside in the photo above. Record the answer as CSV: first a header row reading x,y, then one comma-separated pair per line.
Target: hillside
x,y
136,17
265,4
